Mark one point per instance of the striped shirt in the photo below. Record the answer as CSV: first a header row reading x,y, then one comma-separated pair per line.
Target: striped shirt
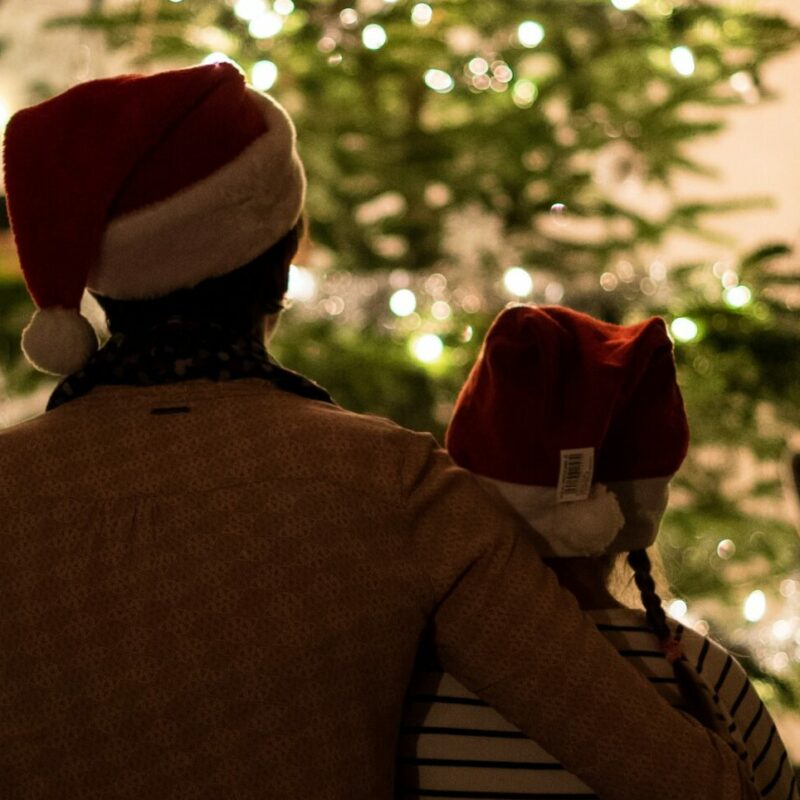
x,y
453,745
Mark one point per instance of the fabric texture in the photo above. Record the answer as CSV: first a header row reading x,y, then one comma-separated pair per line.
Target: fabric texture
x,y
559,406
181,350
226,601
454,745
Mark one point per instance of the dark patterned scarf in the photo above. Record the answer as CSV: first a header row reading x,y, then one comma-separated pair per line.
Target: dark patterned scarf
x,y
180,350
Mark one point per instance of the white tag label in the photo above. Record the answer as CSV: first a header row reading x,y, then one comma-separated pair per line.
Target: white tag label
x,y
575,476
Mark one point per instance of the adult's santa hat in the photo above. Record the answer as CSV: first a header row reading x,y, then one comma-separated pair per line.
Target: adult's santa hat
x,y
578,423
137,186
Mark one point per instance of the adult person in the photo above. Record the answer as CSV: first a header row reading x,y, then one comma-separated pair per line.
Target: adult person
x,y
214,580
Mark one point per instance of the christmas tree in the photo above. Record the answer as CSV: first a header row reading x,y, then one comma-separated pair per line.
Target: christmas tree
x,y
464,155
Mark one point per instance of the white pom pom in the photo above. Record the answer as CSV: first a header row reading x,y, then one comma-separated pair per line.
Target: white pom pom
x,y
59,341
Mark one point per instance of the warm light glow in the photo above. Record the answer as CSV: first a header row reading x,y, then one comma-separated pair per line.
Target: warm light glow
x,y
427,348
678,609
530,34
5,115
403,302
283,7
683,61
737,296
726,549
755,606
624,5
421,14
441,310
478,66
264,75
782,629
684,329
248,10
518,281
220,58
525,93
348,17
439,81
373,36
266,25
302,285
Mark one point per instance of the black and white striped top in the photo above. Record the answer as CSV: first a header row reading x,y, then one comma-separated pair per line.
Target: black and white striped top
x,y
453,745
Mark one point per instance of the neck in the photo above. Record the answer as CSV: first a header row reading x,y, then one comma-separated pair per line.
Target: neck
x,y
586,578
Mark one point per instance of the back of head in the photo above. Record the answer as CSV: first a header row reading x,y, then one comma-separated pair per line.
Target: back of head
x,y
579,423
155,184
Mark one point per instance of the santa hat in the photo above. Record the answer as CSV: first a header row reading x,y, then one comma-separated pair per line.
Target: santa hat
x,y
578,423
136,186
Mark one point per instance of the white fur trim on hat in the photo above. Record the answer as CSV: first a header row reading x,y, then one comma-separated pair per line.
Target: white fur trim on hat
x,y
579,528
59,340
213,226
615,518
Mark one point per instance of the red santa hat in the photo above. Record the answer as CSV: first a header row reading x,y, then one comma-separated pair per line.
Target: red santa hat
x,y
136,186
579,423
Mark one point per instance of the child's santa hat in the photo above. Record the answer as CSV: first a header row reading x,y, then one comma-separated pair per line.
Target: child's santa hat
x,y
579,423
136,186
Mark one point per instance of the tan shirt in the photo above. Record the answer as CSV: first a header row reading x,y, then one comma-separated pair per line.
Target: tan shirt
x,y
226,602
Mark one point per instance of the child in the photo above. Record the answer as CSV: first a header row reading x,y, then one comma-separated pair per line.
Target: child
x,y
579,425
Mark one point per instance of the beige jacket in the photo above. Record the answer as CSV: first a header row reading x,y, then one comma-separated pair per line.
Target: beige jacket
x,y
225,602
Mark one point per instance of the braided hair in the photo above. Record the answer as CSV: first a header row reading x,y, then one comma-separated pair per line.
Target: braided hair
x,y
698,704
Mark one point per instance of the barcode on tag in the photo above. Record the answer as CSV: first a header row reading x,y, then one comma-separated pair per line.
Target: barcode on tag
x,y
575,476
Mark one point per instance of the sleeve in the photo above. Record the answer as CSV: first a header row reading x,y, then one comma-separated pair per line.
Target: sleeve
x,y
752,724
503,627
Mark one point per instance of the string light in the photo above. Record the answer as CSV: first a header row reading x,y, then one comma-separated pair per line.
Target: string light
x,y
525,93
478,66
755,606
421,15
348,17
427,348
439,81
373,36
737,296
684,329
266,25
624,5
263,75
248,10
530,33
518,281
682,60
678,609
283,7
302,286
403,302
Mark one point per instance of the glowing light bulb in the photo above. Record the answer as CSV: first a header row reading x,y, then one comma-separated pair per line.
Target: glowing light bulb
x,y
427,348
439,81
684,329
624,5
373,36
302,285
737,296
421,14
266,25
348,17
524,93
518,281
264,74
283,7
530,33
403,302
682,60
248,10
678,609
478,66
755,606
